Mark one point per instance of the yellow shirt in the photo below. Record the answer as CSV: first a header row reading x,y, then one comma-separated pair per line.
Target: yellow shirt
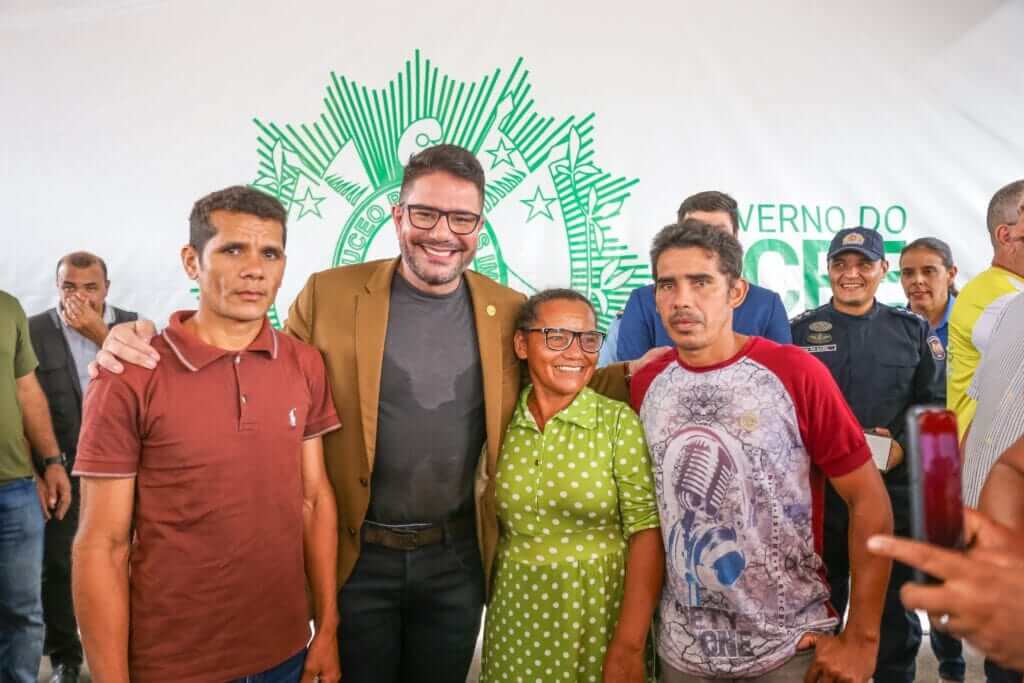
x,y
970,326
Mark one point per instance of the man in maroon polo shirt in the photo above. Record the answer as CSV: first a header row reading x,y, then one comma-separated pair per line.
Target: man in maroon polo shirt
x,y
206,507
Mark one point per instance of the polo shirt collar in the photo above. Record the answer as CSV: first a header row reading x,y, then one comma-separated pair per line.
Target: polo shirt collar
x,y
582,412
196,354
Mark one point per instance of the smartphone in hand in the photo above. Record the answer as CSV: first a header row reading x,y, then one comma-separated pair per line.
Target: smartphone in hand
x,y
936,486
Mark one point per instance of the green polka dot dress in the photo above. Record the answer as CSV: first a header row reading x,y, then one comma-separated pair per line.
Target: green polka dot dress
x,y
568,500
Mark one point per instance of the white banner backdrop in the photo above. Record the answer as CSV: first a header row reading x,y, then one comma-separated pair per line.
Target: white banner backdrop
x,y
592,120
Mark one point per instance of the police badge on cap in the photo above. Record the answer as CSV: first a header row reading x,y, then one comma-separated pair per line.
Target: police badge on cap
x,y
859,240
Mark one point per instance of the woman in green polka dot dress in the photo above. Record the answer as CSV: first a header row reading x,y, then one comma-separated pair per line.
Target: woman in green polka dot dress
x,y
580,558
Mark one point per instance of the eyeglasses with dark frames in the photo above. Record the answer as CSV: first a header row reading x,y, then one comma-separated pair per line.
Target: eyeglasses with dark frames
x,y
426,217
559,339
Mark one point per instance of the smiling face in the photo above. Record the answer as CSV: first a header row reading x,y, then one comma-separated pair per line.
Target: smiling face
x,y
561,374
240,269
926,281
434,260
855,279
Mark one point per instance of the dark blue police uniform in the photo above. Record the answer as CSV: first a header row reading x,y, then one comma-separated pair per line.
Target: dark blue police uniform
x,y
884,362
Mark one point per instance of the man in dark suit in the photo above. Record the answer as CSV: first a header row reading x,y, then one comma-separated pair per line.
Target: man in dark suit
x,y
65,339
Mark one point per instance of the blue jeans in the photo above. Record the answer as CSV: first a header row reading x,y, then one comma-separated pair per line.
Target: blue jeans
x,y
21,572
288,671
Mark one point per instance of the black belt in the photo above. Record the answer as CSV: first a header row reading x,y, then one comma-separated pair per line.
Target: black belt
x,y
399,538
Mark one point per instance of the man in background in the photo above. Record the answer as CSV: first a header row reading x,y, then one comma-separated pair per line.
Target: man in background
x,y
884,360
979,304
761,314
65,339
24,504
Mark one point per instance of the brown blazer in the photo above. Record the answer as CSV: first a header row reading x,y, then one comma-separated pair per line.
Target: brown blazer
x,y
344,313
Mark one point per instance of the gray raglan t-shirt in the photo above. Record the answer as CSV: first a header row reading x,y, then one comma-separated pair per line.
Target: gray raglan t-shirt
x,y
430,426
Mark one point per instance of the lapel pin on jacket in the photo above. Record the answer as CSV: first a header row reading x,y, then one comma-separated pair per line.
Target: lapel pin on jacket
x,y
491,310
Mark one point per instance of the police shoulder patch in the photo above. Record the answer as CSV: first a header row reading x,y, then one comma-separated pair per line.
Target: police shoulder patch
x,y
806,315
935,346
907,313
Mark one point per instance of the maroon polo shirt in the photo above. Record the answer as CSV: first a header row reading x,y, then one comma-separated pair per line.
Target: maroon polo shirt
x,y
213,439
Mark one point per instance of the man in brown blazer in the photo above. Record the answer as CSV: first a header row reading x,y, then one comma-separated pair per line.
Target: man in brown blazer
x,y
420,359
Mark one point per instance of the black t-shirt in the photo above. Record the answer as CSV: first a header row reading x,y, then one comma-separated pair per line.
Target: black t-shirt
x,y
430,425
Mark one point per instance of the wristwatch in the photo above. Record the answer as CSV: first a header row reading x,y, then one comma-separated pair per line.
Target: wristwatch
x,y
59,459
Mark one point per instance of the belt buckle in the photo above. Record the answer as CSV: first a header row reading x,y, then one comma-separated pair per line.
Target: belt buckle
x,y
407,540
410,540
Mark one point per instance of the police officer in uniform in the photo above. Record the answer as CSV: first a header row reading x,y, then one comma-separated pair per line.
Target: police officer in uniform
x,y
885,360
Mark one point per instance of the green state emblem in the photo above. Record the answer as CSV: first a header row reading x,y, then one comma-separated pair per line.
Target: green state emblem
x,y
345,168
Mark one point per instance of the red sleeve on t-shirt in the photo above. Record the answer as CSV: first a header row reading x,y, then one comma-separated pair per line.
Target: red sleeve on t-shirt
x,y
830,432
641,381
322,416
110,442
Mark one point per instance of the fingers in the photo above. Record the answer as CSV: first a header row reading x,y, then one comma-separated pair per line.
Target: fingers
x,y
146,329
807,641
129,347
938,562
43,493
934,599
64,498
106,360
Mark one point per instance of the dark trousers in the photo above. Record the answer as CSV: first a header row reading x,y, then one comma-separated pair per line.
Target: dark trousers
x,y
62,644
900,627
411,616
950,653
997,674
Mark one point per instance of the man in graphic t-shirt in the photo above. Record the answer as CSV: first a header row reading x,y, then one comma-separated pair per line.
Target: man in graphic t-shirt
x,y
743,433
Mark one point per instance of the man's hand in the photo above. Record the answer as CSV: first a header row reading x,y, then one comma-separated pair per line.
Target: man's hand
x,y
636,364
84,319
128,342
322,659
982,594
54,491
842,658
623,663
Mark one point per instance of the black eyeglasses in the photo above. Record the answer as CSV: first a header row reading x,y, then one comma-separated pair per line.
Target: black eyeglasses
x,y
558,339
426,217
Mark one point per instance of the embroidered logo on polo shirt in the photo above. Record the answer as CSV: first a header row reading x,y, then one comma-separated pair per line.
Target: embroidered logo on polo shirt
x,y
291,418
935,345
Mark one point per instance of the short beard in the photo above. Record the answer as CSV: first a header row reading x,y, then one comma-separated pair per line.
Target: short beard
x,y
409,259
